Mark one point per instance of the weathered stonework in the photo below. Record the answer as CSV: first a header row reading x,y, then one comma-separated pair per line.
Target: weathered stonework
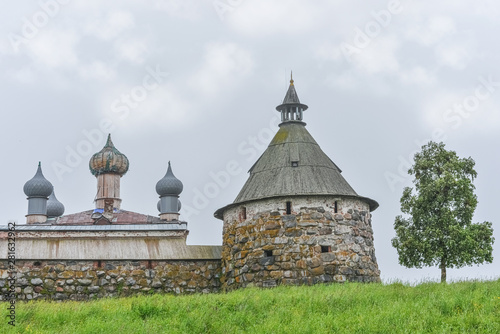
x,y
312,244
84,280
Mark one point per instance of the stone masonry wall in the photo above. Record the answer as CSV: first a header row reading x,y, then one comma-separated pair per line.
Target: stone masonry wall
x,y
83,280
263,246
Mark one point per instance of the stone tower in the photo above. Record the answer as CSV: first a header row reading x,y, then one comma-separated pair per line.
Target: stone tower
x,y
296,220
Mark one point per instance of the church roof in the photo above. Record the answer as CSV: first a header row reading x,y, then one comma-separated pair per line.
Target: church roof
x,y
122,217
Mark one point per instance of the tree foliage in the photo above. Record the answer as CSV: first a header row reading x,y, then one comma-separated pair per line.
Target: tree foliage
x,y
438,228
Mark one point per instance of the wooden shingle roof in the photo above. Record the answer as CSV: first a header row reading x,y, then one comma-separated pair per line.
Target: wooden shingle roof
x,y
294,165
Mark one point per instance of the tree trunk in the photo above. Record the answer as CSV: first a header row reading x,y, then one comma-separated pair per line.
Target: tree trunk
x,y
443,270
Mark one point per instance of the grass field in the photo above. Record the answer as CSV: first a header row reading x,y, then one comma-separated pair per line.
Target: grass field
x,y
462,307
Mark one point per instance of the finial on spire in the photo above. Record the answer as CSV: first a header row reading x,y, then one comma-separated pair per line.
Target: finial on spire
x,y
109,142
291,77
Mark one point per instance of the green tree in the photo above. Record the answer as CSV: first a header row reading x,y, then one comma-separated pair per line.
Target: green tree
x,y
439,229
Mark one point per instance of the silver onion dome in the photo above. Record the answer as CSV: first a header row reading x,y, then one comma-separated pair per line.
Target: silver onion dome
x,y
169,184
54,207
38,186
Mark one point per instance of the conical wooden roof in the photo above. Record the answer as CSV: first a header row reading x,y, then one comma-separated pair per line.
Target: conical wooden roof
x,y
293,164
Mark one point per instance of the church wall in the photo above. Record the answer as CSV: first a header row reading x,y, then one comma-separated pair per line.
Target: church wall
x,y
84,280
263,246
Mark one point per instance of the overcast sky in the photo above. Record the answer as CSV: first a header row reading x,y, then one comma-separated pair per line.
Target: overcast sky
x,y
197,82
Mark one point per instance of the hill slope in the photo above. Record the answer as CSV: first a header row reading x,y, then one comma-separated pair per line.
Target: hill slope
x,y
463,307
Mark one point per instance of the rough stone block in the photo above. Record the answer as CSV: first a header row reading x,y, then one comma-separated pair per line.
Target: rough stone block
x,y
36,281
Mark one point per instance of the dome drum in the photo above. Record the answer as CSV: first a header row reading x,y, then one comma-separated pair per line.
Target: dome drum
x,y
169,204
37,206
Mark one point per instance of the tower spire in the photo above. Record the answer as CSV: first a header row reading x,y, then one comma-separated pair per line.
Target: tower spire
x,y
291,109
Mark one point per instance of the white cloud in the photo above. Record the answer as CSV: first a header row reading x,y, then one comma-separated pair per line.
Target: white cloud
x,y
134,51
188,9
261,17
223,64
54,49
379,56
434,108
24,75
163,106
418,75
432,30
110,26
97,70
455,56
344,81
328,51
452,111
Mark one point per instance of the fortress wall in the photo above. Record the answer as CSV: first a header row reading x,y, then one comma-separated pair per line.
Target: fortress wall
x,y
313,244
84,280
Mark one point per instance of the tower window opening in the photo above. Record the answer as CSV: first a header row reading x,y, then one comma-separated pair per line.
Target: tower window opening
x,y
335,207
268,253
243,213
288,208
326,249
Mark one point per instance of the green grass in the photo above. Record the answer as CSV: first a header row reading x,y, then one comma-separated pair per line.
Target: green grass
x,y
462,307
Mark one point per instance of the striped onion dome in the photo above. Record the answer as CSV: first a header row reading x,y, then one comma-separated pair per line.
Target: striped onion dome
x,y
109,160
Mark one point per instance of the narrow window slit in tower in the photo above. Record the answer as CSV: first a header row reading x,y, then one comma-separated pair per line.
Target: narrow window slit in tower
x,y
268,253
326,249
288,208
244,213
335,207
99,264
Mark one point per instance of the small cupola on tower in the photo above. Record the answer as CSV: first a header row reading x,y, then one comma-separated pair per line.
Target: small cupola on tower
x,y
169,188
54,207
108,166
291,109
38,190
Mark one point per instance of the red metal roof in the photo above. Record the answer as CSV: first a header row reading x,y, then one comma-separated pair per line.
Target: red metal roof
x,y
121,217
